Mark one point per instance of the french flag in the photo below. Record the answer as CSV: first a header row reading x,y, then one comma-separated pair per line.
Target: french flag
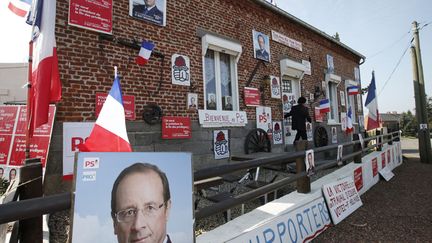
x,y
353,90
45,81
109,132
371,103
350,127
144,53
324,105
19,7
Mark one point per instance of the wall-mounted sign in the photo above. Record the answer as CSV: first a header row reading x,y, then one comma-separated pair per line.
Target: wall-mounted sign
x,y
174,127
180,70
192,99
330,64
210,118
334,135
93,15
128,104
277,132
358,178
359,103
308,67
285,40
264,119
261,45
309,131
356,74
251,96
221,144
288,101
13,136
344,121
319,117
342,98
74,134
275,87
342,198
151,11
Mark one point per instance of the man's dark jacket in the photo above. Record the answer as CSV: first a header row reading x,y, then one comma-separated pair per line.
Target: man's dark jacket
x,y
300,114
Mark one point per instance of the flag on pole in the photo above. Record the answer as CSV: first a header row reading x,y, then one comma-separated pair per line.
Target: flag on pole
x,y
109,132
45,83
144,53
324,105
19,7
353,90
372,105
349,127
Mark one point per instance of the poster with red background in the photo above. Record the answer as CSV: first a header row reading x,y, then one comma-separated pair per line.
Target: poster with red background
x,y
251,96
374,167
128,104
358,178
174,127
91,14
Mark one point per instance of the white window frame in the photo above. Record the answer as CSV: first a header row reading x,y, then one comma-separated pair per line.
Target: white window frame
x,y
222,45
334,104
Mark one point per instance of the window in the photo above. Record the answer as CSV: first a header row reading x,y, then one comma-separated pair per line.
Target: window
x,y
332,94
220,57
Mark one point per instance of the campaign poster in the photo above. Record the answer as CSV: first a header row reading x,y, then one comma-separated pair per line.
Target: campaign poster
x,y
359,103
192,102
309,131
252,96
275,87
334,137
93,15
330,64
308,67
221,144
261,46
128,104
264,119
339,155
319,117
344,121
150,11
374,167
383,160
342,97
138,197
288,101
358,178
176,127
180,70
277,132
310,162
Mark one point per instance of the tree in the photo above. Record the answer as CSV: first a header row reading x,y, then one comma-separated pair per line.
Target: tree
x,y
408,124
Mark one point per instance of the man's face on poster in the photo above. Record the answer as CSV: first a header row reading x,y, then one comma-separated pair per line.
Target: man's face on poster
x,y
310,160
261,42
150,3
142,192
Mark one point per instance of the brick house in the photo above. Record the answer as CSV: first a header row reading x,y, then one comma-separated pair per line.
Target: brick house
x,y
220,38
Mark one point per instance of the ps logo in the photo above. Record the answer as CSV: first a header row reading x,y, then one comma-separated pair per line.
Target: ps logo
x,y
91,163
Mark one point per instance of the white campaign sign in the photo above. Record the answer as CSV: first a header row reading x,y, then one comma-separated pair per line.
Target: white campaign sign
x,y
386,173
342,198
74,134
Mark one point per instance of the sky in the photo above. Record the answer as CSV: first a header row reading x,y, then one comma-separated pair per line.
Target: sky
x,y
379,30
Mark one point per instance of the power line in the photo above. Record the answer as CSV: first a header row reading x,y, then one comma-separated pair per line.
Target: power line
x,y
387,47
394,69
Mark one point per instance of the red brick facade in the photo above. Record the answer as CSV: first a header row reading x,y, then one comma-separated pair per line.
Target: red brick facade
x,y
86,62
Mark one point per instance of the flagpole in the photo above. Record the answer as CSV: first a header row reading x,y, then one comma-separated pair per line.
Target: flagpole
x,y
115,71
29,110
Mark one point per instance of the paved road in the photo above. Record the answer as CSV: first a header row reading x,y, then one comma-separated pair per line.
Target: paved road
x,y
396,211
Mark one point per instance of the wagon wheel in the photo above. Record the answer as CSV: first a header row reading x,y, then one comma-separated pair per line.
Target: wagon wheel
x,y
152,114
257,140
320,137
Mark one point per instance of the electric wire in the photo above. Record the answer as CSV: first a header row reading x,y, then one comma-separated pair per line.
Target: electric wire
x,y
389,46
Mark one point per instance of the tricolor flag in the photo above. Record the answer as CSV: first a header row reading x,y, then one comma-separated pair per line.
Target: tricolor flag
x,y
109,132
372,105
45,82
145,52
353,90
324,105
19,7
349,127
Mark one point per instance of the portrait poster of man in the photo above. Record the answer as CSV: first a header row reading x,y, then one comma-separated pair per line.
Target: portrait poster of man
x,y
334,134
342,97
261,44
339,155
310,162
309,131
153,11
221,144
192,101
330,64
133,197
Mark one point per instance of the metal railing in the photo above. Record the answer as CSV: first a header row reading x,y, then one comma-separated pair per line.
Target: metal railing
x,y
35,207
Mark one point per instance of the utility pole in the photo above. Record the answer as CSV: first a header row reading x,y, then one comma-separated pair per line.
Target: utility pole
x,y
420,97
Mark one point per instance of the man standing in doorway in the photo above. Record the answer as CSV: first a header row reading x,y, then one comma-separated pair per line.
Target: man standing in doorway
x,y
300,114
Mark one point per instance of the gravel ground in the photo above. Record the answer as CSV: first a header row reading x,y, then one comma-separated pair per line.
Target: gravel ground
x,y
396,211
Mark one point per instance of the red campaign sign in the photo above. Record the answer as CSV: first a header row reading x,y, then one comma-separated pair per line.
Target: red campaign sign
x,y
5,142
38,149
383,160
319,117
358,178
388,156
7,119
128,104
176,127
374,167
91,14
44,130
251,96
